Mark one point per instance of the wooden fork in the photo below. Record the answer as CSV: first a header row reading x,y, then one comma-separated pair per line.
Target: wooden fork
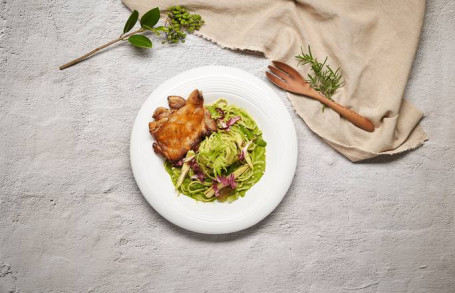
x,y
287,78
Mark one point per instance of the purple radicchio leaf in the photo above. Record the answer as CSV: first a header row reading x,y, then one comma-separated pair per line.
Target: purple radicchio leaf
x,y
227,181
197,170
244,150
229,123
219,110
215,188
179,163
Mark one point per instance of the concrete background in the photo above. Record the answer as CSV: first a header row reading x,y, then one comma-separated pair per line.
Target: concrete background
x,y
73,220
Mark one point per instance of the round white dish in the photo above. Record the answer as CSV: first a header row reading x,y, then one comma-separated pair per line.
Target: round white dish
x,y
246,91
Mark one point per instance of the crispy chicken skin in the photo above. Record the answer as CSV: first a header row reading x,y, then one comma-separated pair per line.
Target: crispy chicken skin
x,y
180,129
161,113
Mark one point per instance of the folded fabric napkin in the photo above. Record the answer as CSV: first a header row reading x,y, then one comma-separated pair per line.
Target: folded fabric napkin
x,y
374,43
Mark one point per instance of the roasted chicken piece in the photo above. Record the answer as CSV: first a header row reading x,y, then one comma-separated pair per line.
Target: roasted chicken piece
x,y
182,127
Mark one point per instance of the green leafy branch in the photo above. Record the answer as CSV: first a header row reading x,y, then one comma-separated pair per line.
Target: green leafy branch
x,y
324,79
178,22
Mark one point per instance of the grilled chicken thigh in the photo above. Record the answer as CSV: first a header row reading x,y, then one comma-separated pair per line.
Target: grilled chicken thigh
x,y
182,127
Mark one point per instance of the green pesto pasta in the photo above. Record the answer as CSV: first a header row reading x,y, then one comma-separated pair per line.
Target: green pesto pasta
x,y
236,148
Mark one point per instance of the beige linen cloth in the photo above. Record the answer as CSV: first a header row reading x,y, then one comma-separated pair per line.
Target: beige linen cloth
x,y
374,43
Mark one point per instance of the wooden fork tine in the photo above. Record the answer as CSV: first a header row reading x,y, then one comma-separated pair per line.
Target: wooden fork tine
x,y
278,72
286,68
277,81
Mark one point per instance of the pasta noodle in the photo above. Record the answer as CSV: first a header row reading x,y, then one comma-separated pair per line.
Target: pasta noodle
x,y
222,153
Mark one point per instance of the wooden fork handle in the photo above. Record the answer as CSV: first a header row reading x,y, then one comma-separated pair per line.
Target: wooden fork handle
x,y
348,114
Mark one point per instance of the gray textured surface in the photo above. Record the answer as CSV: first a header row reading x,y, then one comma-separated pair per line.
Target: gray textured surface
x,y
73,220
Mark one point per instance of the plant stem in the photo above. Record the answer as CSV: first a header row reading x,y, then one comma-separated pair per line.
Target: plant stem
x,y
83,57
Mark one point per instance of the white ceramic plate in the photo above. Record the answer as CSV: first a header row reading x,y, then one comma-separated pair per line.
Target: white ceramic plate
x,y
246,91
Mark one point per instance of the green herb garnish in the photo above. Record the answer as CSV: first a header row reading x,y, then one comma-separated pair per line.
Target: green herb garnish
x,y
179,22
323,79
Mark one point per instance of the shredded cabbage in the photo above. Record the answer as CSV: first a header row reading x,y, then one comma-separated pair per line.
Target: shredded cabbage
x,y
222,153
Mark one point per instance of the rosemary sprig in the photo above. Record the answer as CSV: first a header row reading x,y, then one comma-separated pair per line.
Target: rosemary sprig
x,y
324,79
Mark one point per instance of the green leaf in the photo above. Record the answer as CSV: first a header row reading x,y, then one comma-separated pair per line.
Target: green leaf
x,y
160,28
149,19
157,30
131,21
140,41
